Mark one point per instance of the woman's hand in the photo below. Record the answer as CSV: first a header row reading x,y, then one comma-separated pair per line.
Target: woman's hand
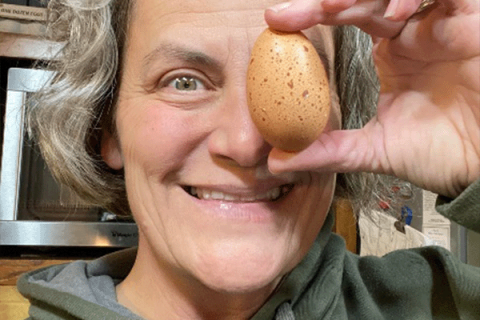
x,y
427,129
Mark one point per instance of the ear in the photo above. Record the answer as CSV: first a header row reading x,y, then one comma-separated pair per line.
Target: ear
x,y
110,151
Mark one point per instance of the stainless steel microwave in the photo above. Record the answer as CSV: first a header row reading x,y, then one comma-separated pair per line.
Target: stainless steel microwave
x,y
34,209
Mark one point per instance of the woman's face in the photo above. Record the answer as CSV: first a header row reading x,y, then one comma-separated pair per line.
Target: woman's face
x,y
195,165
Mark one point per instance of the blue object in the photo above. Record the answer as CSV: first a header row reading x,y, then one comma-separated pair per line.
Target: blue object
x,y
407,215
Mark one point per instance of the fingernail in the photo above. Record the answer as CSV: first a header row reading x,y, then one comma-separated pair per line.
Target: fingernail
x,y
279,7
391,9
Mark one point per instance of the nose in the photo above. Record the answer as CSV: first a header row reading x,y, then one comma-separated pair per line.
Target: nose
x,y
236,138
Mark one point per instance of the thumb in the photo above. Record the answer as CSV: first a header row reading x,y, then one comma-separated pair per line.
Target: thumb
x,y
336,151
294,15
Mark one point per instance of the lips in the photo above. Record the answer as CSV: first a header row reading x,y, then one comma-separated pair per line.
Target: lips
x,y
272,194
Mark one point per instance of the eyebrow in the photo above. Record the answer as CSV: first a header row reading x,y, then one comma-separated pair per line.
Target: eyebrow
x,y
170,51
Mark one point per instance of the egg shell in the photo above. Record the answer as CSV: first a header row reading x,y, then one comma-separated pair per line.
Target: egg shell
x,y
287,90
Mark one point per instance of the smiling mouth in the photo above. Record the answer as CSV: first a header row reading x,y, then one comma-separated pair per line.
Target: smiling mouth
x,y
273,194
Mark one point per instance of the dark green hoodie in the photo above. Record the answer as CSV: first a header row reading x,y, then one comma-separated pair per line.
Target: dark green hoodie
x,y
329,283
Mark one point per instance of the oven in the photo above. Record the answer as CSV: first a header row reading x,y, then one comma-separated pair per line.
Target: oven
x,y
36,211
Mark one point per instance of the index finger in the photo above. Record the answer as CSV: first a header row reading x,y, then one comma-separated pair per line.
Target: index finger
x,y
295,15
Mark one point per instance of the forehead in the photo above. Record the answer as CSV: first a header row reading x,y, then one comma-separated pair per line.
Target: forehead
x,y
163,15
205,11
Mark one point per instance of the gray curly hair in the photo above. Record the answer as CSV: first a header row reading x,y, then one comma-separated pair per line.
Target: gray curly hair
x,y
67,117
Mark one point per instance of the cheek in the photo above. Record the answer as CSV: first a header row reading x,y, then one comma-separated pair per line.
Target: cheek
x,y
155,135
315,208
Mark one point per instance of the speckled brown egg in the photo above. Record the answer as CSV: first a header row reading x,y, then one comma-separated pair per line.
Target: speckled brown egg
x,y
287,90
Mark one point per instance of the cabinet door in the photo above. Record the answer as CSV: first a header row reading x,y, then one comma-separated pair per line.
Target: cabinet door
x,y
346,223
13,306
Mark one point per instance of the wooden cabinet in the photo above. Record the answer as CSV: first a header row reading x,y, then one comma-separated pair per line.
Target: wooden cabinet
x,y
346,223
13,306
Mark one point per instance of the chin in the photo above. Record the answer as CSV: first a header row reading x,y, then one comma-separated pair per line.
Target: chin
x,y
242,272
241,283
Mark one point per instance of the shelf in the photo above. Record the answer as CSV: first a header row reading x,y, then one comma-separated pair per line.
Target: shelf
x,y
23,33
27,46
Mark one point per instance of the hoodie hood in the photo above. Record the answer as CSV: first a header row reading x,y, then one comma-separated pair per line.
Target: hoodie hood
x,y
79,290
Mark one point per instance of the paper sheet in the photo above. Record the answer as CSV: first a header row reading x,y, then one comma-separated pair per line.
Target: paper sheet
x,y
435,226
379,236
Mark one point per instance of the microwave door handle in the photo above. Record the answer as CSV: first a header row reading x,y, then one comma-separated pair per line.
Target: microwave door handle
x,y
12,154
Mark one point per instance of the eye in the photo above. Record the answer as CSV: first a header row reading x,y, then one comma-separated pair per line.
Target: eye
x,y
186,84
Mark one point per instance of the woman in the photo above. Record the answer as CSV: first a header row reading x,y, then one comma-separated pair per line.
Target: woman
x,y
230,228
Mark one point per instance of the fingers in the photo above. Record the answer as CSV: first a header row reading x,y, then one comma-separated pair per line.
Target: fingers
x,y
465,6
401,10
336,151
334,6
365,14
298,15
302,14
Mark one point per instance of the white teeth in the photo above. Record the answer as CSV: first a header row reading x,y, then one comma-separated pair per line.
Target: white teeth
x,y
205,194
229,197
215,195
247,199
